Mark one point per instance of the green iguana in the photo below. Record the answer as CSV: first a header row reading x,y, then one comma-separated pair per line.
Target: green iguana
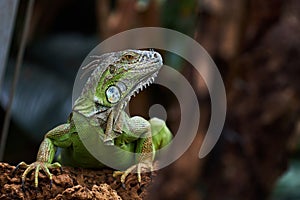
x,y
116,77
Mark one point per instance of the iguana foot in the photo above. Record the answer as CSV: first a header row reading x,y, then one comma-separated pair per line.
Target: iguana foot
x,y
37,166
131,169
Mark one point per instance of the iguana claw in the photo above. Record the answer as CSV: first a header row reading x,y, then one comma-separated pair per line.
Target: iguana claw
x,y
37,166
131,169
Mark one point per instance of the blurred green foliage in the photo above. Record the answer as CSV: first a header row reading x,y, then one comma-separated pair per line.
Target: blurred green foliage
x,y
179,15
288,185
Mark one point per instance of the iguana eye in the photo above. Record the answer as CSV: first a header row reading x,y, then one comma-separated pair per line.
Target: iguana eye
x,y
112,69
128,57
113,94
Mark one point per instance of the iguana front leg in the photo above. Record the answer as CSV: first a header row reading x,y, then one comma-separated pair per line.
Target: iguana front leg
x,y
155,135
140,129
56,137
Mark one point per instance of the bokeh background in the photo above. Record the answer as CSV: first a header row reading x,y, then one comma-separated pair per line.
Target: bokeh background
x,y
256,46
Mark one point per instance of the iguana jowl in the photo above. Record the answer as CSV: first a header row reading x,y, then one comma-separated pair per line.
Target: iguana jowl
x,y
117,76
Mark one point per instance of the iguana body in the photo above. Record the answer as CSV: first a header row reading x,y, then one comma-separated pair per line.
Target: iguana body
x,y
98,114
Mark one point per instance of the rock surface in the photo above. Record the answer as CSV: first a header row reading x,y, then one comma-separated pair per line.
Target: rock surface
x,y
71,183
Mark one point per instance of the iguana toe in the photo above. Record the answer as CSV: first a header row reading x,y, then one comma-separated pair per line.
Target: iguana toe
x,y
37,166
138,167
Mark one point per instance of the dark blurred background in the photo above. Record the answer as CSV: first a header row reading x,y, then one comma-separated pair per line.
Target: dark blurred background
x,y
256,46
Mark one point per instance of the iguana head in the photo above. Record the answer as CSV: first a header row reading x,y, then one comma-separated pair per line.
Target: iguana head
x,y
120,75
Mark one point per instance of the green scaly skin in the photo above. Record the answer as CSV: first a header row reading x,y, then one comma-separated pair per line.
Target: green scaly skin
x,y
116,77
